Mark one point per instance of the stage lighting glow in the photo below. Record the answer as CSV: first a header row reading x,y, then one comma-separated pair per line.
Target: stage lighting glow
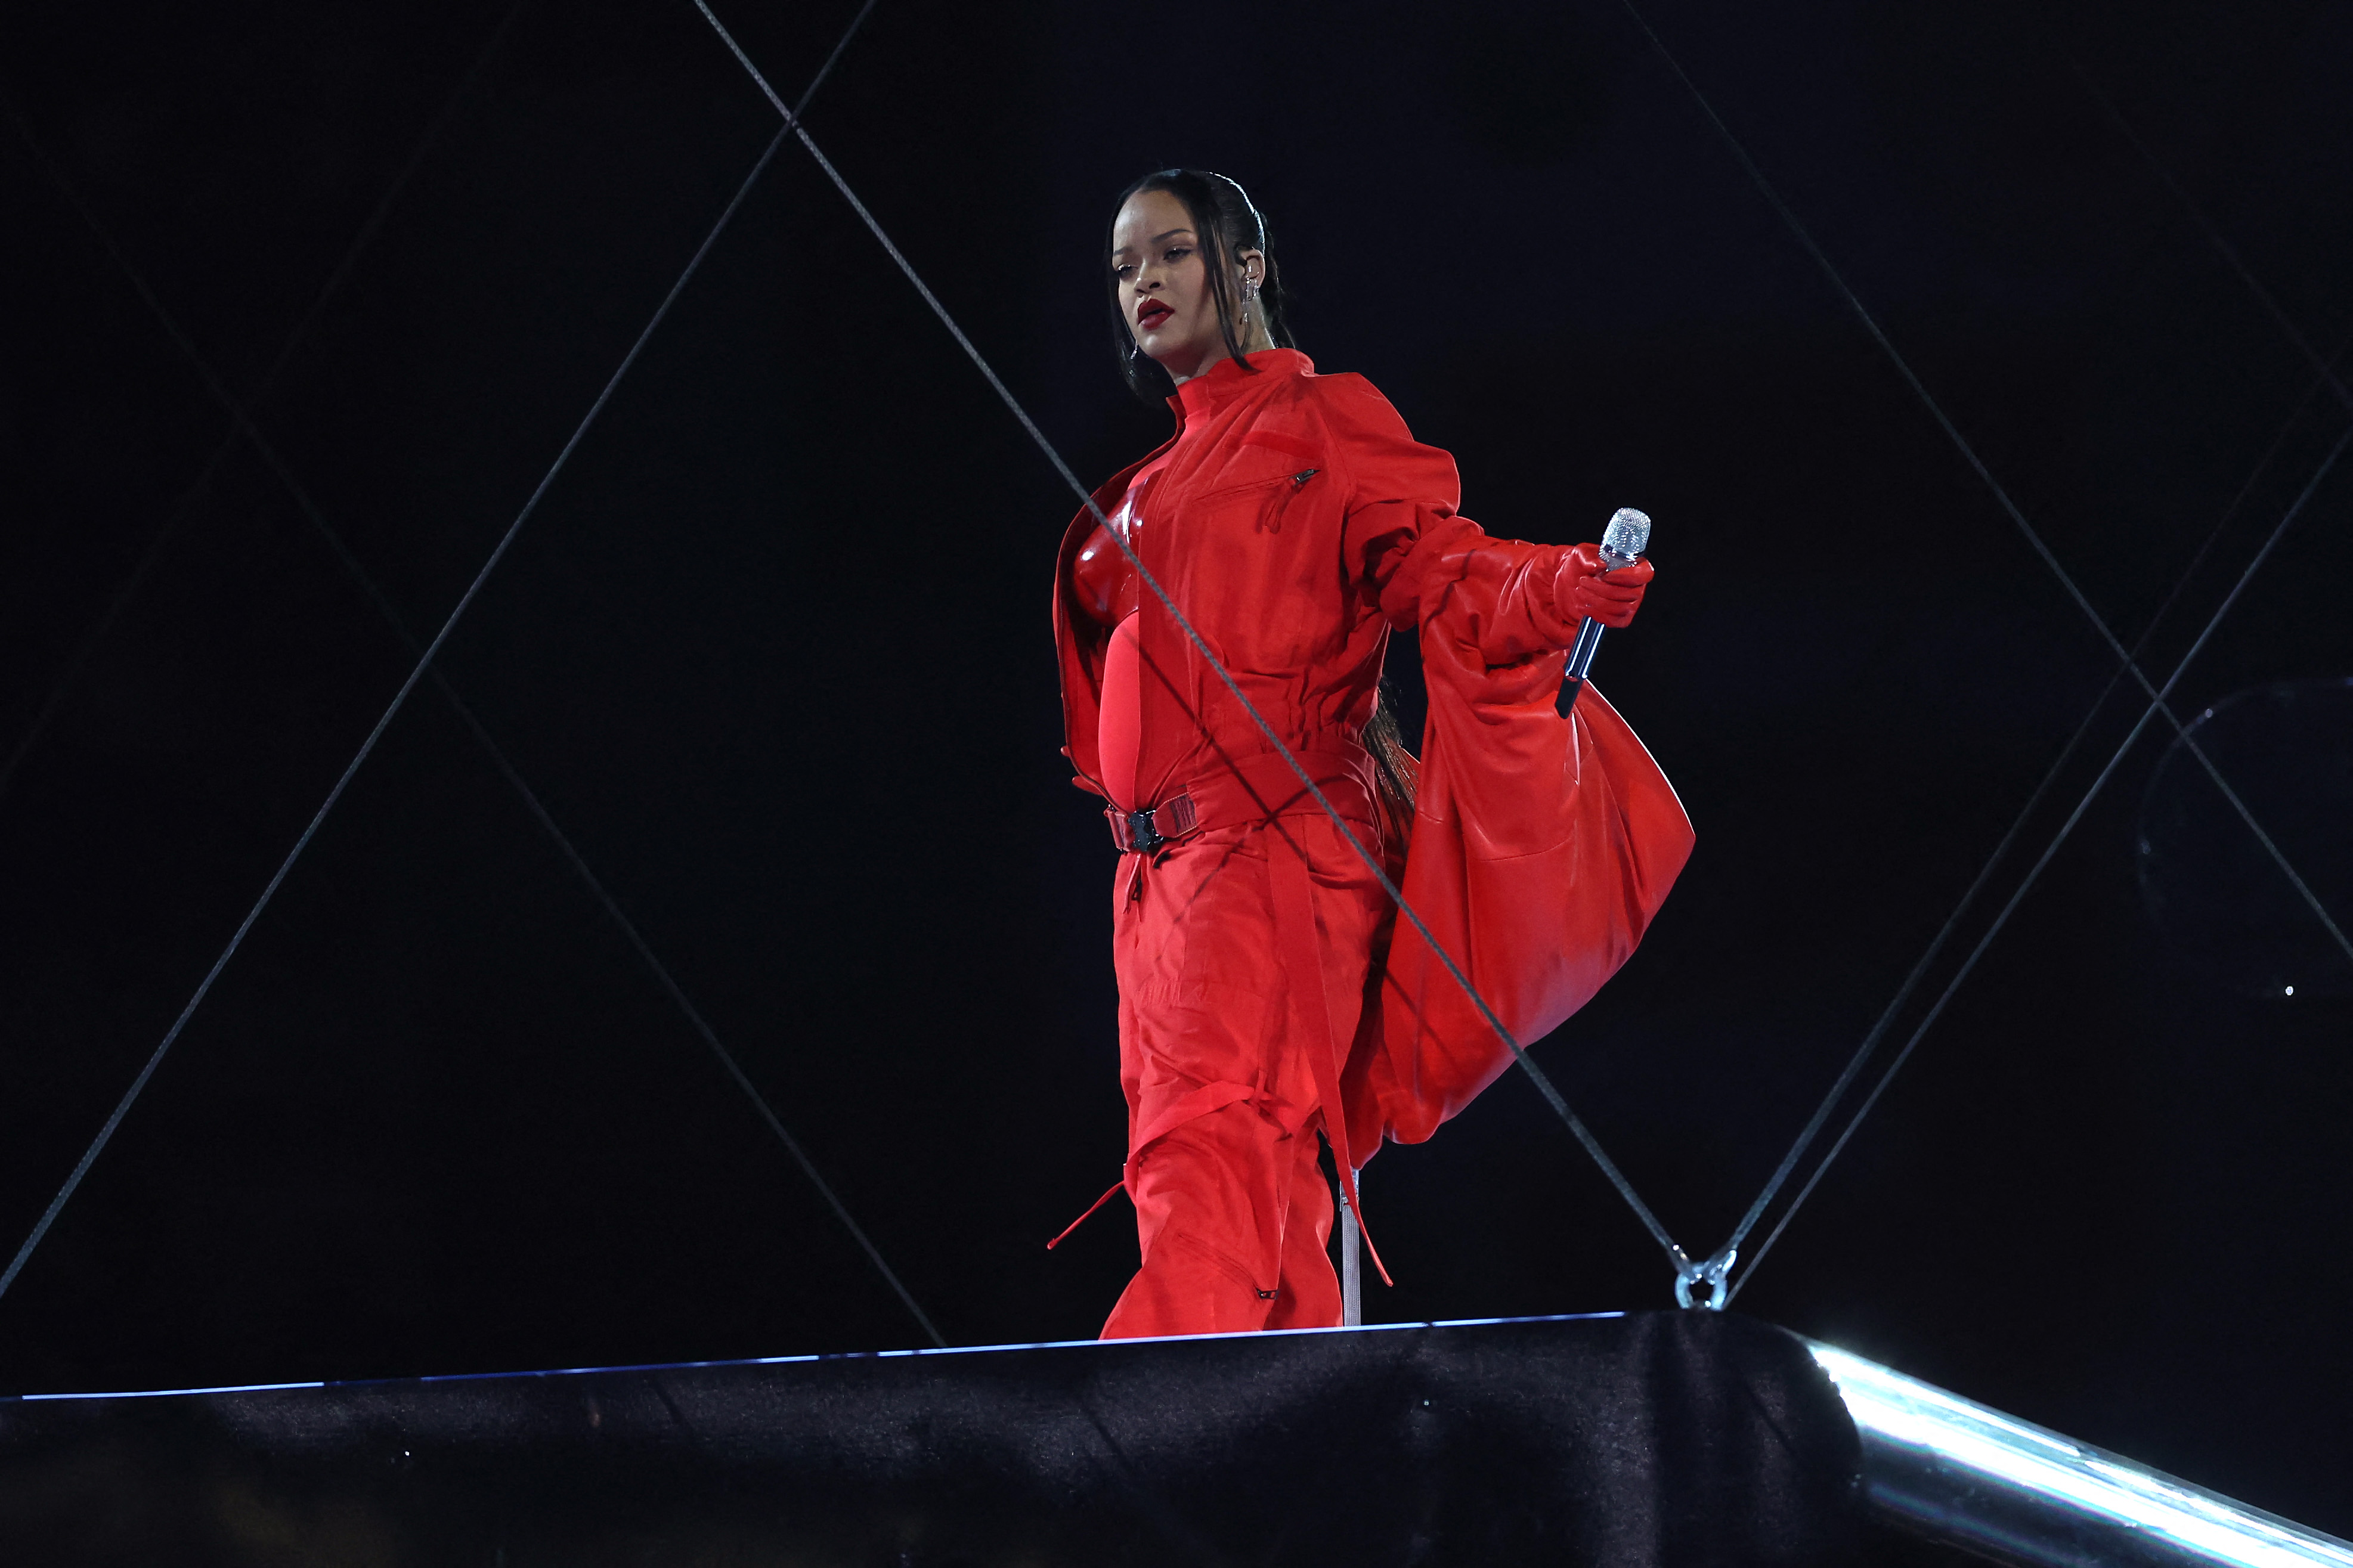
x,y
1975,1477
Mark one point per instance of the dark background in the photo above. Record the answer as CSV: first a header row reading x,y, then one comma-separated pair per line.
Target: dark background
x,y
774,651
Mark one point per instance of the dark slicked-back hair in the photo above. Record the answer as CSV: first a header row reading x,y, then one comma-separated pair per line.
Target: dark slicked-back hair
x,y
1227,224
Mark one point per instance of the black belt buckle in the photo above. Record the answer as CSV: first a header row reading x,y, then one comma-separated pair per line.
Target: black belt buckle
x,y
1142,833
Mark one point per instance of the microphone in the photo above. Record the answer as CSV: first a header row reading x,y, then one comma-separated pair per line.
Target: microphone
x,y
1622,543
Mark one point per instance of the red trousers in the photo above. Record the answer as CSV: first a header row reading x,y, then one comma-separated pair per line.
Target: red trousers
x,y
1240,954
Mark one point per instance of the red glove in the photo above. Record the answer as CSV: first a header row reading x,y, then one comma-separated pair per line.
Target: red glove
x,y
1582,588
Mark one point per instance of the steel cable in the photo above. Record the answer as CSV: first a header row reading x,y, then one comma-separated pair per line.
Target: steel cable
x,y
1871,1041
2035,871
178,511
400,698
247,429
1545,1085
2126,660
1944,422
2213,236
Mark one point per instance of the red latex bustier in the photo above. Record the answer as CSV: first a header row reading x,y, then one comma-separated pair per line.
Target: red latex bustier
x,y
1108,592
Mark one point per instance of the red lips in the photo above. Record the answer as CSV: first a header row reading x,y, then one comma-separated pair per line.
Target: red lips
x,y
1151,313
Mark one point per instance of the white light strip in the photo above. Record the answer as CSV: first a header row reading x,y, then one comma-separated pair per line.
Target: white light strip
x,y
1890,1408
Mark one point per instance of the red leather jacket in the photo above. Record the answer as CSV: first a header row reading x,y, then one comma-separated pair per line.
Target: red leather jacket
x,y
1296,523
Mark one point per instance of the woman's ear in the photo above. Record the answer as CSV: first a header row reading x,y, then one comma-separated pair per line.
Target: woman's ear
x,y
1249,268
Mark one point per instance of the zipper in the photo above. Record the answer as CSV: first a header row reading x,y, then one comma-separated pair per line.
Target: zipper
x,y
1279,499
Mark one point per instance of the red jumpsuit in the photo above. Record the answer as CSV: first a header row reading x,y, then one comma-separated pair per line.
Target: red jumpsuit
x,y
1295,521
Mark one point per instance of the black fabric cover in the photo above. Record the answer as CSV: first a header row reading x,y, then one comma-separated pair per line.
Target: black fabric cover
x,y
1677,1439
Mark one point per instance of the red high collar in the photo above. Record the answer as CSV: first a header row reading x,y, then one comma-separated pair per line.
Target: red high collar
x,y
1227,379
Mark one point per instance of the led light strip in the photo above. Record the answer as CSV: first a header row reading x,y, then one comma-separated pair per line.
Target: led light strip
x,y
1980,1478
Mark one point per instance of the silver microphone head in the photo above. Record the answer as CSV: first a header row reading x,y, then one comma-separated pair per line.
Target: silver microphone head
x,y
1628,535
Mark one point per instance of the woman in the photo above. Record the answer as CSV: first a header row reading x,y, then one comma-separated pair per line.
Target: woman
x,y
1263,1008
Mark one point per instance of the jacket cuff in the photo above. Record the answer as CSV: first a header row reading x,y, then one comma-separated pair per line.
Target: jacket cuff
x,y
1557,616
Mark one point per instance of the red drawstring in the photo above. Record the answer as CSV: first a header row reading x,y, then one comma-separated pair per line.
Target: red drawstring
x,y
1082,1219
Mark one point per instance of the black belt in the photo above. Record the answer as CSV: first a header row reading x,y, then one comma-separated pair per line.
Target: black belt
x,y
1142,832
1256,788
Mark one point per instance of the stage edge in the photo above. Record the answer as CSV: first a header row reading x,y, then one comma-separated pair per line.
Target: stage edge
x,y
1957,1472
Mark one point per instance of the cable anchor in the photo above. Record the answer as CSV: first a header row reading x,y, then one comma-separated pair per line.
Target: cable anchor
x,y
1707,1276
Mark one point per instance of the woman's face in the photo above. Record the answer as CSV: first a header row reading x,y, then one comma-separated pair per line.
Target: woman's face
x,y
1163,285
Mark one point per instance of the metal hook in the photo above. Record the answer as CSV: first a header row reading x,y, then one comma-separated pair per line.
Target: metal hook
x,y
1710,1274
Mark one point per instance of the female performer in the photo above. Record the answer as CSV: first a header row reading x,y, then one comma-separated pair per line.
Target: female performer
x,y
1268,999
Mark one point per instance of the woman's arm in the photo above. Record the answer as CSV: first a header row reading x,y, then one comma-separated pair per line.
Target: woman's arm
x,y
1416,553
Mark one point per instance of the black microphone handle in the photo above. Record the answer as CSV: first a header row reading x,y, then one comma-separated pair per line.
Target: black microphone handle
x,y
1589,633
1580,660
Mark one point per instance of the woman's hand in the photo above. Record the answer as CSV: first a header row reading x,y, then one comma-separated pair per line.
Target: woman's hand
x,y
1583,588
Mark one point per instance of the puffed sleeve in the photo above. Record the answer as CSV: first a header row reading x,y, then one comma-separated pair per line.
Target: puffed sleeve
x,y
1414,554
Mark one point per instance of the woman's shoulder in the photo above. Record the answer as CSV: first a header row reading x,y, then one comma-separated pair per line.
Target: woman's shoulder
x,y
1350,403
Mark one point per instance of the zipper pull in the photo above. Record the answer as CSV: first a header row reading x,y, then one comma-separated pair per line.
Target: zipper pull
x,y
1270,519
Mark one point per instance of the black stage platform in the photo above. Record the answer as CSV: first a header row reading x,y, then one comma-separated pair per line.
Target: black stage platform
x,y
1649,1438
